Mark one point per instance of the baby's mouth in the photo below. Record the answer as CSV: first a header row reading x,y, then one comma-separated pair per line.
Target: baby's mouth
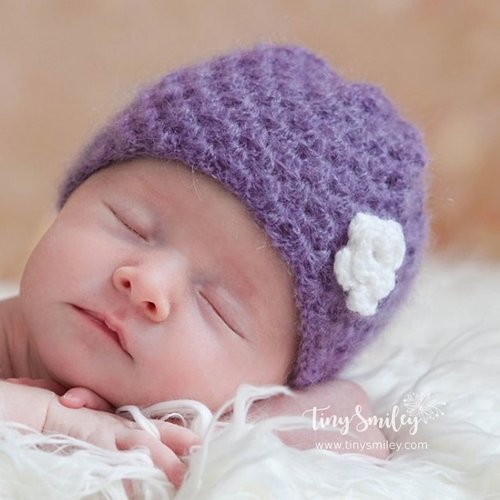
x,y
115,332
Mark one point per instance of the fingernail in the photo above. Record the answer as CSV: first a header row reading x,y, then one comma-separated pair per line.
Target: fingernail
x,y
68,396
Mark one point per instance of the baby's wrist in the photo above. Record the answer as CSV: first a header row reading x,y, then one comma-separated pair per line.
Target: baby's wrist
x,y
52,408
25,405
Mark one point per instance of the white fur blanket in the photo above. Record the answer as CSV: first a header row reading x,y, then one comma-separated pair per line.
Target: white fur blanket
x,y
438,363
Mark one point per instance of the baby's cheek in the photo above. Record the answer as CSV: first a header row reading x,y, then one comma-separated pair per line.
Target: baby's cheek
x,y
208,373
37,266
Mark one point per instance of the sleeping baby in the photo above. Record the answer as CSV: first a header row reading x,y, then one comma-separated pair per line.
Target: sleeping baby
x,y
251,219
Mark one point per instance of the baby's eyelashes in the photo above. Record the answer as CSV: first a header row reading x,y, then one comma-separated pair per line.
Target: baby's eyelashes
x,y
129,223
216,312
130,226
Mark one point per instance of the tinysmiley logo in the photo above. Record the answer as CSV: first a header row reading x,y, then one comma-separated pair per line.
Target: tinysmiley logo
x,y
419,407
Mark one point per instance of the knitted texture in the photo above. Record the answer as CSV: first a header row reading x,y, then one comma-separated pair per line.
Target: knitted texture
x,y
305,151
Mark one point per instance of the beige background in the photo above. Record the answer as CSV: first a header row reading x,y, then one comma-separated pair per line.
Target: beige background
x,y
65,66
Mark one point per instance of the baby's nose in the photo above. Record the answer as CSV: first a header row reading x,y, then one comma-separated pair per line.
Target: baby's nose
x,y
144,291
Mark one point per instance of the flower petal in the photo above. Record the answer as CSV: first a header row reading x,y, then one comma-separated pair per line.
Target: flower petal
x,y
366,267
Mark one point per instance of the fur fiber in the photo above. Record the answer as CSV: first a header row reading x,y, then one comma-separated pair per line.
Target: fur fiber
x,y
445,342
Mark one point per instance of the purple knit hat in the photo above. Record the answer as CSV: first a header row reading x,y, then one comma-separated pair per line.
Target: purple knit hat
x,y
328,169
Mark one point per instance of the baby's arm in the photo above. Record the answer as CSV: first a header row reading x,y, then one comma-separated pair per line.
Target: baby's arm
x,y
337,399
41,410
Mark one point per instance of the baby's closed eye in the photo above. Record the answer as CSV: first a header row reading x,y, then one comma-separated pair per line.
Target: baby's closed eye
x,y
128,222
217,311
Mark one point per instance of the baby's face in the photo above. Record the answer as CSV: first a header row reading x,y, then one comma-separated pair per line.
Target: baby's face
x,y
195,299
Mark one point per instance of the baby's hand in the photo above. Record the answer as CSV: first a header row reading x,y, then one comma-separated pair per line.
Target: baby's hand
x,y
114,432
81,416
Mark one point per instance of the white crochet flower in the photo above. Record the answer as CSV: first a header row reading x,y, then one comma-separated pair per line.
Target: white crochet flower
x,y
366,267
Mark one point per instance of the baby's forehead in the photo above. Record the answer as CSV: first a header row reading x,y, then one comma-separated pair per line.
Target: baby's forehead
x,y
160,179
174,186
196,202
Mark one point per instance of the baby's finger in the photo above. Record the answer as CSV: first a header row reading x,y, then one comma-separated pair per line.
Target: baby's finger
x,y
71,400
78,397
178,438
163,457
